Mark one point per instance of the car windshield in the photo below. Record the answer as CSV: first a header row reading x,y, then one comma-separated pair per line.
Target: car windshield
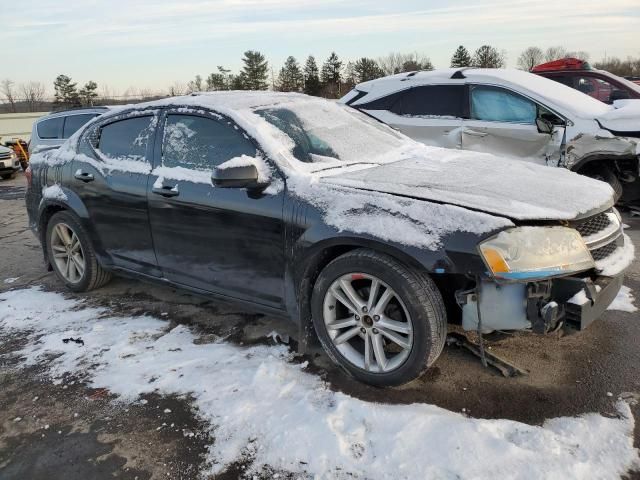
x,y
323,132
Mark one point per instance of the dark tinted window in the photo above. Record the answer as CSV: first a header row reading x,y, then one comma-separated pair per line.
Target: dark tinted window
x,y
564,79
201,143
499,105
51,128
73,122
432,100
126,139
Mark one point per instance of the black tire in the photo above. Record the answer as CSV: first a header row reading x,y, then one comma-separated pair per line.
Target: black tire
x,y
94,275
421,298
605,174
8,176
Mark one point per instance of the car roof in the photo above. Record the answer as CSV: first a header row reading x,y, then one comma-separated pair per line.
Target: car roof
x,y
539,88
75,111
231,100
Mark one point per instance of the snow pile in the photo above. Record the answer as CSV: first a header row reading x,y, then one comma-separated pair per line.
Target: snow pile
x,y
619,260
54,192
260,404
623,301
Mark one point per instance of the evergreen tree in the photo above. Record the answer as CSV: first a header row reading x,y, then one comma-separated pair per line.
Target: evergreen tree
x,y
290,78
416,64
311,77
331,76
367,69
66,93
461,58
488,57
88,93
254,72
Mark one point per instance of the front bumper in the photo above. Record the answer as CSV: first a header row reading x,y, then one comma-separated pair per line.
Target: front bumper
x,y
9,165
538,306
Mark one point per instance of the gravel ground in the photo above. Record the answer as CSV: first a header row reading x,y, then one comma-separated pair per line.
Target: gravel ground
x,y
89,436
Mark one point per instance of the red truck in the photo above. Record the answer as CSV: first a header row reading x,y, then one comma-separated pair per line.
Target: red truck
x,y
599,84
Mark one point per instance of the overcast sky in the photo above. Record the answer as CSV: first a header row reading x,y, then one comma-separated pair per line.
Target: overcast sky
x,y
153,43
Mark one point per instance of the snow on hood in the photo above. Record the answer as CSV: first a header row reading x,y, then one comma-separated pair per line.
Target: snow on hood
x,y
623,117
509,188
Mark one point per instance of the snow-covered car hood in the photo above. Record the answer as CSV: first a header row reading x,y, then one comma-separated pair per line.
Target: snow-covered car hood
x,y
624,116
508,188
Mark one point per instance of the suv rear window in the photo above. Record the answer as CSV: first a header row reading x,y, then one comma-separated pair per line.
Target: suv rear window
x,y
51,128
432,100
126,139
73,122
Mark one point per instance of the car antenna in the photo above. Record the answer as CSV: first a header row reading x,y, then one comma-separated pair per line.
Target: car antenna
x,y
459,73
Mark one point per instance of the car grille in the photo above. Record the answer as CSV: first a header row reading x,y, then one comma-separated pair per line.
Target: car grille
x,y
603,252
5,155
601,233
594,225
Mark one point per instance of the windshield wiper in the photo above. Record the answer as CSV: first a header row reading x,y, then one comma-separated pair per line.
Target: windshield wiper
x,y
346,165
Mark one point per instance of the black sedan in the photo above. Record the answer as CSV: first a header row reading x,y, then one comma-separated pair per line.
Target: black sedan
x,y
301,207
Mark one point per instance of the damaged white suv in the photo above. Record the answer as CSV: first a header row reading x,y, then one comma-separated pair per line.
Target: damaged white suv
x,y
512,113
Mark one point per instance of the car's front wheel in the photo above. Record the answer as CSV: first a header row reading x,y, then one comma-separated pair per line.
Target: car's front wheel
x,y
382,322
71,254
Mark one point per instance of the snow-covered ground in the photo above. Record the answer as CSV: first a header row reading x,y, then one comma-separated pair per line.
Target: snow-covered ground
x,y
262,405
624,301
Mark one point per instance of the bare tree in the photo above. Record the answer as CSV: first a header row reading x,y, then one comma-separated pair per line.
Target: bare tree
x,y
33,95
555,53
9,93
579,54
396,62
178,88
531,57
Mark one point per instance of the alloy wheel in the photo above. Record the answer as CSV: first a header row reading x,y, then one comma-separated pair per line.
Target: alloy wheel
x,y
368,323
67,253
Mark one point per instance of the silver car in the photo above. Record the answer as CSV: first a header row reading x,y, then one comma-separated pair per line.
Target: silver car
x,y
514,114
52,130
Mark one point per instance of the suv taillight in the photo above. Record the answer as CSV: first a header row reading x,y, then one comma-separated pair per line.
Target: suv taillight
x,y
29,174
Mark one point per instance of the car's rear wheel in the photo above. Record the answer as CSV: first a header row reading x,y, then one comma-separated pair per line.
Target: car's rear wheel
x,y
71,254
381,321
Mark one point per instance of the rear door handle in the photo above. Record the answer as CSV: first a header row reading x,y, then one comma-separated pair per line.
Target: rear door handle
x,y
475,133
166,191
83,176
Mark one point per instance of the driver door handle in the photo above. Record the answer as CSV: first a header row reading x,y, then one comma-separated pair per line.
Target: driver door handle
x,y
83,176
475,133
166,191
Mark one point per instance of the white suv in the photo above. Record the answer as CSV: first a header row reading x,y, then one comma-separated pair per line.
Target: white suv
x,y
511,113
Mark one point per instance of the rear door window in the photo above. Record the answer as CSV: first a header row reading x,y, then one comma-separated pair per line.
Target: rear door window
x,y
126,139
51,128
432,101
595,87
73,122
202,143
494,104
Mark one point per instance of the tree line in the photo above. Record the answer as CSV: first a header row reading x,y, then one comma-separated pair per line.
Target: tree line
x,y
331,78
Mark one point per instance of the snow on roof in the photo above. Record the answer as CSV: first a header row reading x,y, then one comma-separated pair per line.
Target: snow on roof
x,y
544,90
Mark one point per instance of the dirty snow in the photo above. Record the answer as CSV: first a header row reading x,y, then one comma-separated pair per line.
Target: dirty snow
x,y
54,192
11,280
619,260
257,401
623,301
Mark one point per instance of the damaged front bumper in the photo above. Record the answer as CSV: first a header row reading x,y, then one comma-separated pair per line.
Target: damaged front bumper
x,y
540,307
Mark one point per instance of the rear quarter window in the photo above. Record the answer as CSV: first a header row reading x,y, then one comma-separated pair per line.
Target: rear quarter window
x,y
50,128
73,122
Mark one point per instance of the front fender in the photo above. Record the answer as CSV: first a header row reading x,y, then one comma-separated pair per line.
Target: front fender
x,y
585,148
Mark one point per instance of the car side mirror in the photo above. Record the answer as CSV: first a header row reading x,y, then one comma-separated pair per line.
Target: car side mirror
x,y
241,176
618,95
544,125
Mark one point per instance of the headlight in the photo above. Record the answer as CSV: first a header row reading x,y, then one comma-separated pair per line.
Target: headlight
x,y
529,253
13,155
